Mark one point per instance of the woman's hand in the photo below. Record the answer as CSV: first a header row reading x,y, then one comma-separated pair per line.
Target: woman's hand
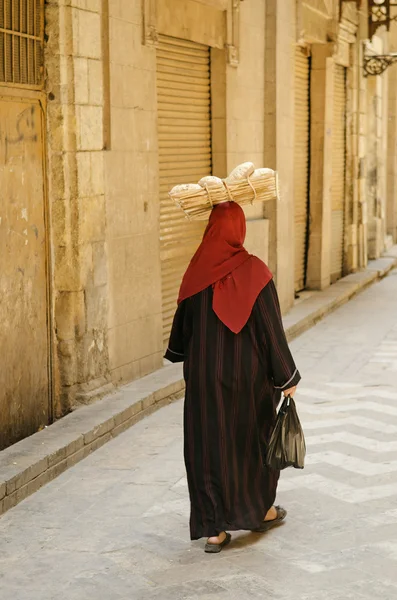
x,y
290,392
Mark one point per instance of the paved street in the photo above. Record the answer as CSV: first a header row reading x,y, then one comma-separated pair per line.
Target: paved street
x,y
115,526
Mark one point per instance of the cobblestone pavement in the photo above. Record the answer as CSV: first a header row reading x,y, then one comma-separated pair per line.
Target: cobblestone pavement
x,y
115,526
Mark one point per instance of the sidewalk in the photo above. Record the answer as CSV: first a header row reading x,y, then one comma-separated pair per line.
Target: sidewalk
x,y
33,462
115,526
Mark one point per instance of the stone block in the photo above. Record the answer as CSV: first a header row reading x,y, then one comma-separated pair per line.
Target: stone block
x,y
251,136
219,162
57,179
114,169
117,85
93,5
136,86
126,373
80,69
125,425
123,129
128,413
151,363
101,441
145,129
69,315
9,502
99,263
87,451
132,195
126,10
81,4
96,307
73,459
169,390
363,100
3,488
97,173
55,130
122,42
132,341
92,219
98,431
64,452
136,255
219,144
34,485
62,130
27,475
86,34
205,24
89,128
67,355
252,44
84,181
95,82
92,363
148,401
258,238
56,470
84,257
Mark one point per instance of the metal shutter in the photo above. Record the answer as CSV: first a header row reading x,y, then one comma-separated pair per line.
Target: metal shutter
x,y
22,42
338,171
301,164
184,134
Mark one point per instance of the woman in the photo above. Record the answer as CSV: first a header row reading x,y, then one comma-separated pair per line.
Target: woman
x,y
228,332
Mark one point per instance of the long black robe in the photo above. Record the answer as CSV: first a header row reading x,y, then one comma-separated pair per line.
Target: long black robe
x,y
233,387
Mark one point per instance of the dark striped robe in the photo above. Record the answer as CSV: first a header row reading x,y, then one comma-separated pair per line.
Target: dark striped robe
x,y
233,386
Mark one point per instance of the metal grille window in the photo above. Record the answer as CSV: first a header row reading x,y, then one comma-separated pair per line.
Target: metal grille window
x,y
21,42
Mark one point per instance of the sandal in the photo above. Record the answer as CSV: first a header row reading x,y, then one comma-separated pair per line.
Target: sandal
x,y
266,525
215,548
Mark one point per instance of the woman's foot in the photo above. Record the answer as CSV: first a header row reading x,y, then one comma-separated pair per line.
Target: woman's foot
x,y
216,543
271,514
218,539
275,515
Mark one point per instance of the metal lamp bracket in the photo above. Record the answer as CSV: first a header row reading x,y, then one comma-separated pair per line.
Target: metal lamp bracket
x,y
381,13
378,63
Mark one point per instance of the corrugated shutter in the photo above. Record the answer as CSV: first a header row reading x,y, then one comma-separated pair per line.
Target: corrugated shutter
x,y
184,134
22,42
338,171
301,163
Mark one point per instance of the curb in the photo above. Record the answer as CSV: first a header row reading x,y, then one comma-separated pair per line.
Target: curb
x,y
28,465
31,463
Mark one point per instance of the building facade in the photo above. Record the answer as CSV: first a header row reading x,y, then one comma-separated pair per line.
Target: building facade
x,y
106,104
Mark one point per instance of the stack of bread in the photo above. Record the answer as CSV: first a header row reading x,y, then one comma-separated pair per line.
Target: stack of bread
x,y
244,185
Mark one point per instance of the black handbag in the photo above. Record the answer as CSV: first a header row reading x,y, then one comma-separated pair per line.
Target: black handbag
x,y
287,446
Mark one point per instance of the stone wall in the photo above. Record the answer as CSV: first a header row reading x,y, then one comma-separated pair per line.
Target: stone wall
x,y
245,111
135,343
391,209
103,160
278,151
77,199
376,89
132,205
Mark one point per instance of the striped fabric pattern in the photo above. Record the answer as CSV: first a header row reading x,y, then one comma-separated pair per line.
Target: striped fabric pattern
x,y
230,409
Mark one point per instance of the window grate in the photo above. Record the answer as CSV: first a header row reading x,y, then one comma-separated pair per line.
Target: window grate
x,y
21,42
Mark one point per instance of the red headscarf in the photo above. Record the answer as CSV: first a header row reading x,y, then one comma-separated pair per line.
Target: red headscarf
x,y
222,261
